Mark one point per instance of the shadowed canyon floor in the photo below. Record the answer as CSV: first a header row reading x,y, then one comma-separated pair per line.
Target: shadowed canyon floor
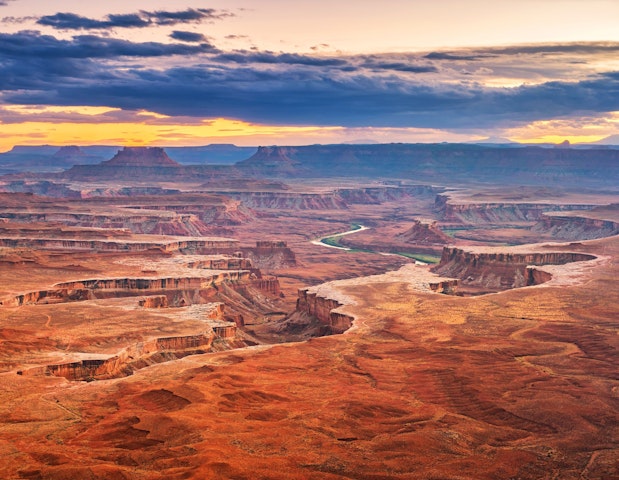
x,y
216,351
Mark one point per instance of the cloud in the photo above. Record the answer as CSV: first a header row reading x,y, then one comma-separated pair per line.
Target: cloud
x,y
402,90
188,36
452,56
191,15
141,19
31,44
246,57
400,66
317,99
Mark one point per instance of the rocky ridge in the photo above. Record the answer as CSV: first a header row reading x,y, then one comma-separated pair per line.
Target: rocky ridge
x,y
501,268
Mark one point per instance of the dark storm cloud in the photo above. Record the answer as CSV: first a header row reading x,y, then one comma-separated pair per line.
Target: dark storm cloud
x,y
381,90
191,15
29,44
141,19
188,36
357,100
71,21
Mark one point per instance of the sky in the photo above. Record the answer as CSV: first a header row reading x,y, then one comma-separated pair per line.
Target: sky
x,y
266,72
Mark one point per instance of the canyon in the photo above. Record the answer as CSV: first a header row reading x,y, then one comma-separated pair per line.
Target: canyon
x,y
165,320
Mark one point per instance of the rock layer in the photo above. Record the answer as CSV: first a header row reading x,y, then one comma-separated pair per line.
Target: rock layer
x,y
501,270
323,309
137,356
497,212
575,228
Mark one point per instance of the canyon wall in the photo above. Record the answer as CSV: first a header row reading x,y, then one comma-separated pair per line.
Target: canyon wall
x,y
179,290
501,270
497,212
377,195
268,285
575,228
224,263
290,201
322,308
154,301
336,200
444,286
131,359
222,211
270,255
169,223
205,247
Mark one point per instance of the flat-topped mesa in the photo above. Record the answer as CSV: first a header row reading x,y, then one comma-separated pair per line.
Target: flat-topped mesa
x,y
137,163
70,151
200,246
496,270
141,157
439,163
179,290
169,223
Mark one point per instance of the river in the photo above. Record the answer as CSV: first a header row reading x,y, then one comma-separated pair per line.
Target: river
x,y
321,241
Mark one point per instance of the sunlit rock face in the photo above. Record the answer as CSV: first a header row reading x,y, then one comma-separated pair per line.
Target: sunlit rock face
x,y
501,269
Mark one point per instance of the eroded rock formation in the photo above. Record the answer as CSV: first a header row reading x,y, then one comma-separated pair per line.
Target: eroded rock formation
x,y
323,309
139,356
154,301
291,201
575,228
141,157
497,212
501,270
201,246
270,254
439,163
424,233
190,288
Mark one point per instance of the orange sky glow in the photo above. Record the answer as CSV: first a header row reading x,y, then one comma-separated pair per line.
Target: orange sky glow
x,y
275,72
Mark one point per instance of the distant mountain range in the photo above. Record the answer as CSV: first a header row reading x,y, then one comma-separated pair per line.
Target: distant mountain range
x,y
48,158
593,166
440,164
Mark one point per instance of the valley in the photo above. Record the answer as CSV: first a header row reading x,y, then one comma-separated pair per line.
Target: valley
x,y
294,315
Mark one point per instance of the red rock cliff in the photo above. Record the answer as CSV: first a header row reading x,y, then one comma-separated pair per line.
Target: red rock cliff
x,y
500,270
322,309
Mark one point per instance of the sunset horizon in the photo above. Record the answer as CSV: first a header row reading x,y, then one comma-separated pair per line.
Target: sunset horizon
x,y
318,72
